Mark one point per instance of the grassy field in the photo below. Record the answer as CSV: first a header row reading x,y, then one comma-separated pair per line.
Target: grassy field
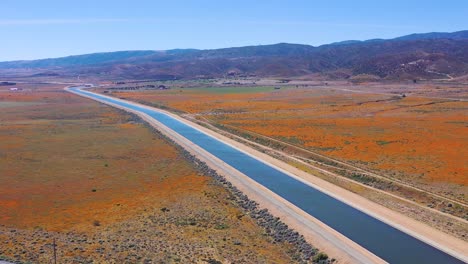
x,y
109,190
231,90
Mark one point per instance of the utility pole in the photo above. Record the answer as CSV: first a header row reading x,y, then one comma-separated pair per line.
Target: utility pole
x,y
55,252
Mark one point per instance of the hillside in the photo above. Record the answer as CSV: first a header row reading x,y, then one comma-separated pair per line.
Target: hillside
x,y
425,56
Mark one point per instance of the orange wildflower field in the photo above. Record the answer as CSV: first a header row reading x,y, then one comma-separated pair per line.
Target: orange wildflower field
x,y
415,138
109,190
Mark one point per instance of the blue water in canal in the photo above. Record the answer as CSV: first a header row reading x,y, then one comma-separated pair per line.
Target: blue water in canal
x,y
390,244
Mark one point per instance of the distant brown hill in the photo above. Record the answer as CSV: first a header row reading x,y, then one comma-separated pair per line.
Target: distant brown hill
x,y
427,56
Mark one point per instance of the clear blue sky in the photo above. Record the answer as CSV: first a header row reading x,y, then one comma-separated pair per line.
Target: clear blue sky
x,y
31,29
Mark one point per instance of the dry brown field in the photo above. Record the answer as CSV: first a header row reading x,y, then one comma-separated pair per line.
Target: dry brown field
x,y
110,190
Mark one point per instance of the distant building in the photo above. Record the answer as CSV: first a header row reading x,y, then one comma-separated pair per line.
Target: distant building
x,y
232,73
163,87
15,89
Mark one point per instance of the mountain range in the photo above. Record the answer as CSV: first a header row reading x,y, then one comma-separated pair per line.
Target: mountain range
x,y
418,56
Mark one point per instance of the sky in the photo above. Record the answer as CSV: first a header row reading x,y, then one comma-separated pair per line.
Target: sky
x,y
33,29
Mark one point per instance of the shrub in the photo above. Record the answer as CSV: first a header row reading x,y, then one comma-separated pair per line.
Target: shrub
x,y
320,256
221,226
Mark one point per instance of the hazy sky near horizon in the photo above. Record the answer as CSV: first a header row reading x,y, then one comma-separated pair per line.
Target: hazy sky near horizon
x,y
32,29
